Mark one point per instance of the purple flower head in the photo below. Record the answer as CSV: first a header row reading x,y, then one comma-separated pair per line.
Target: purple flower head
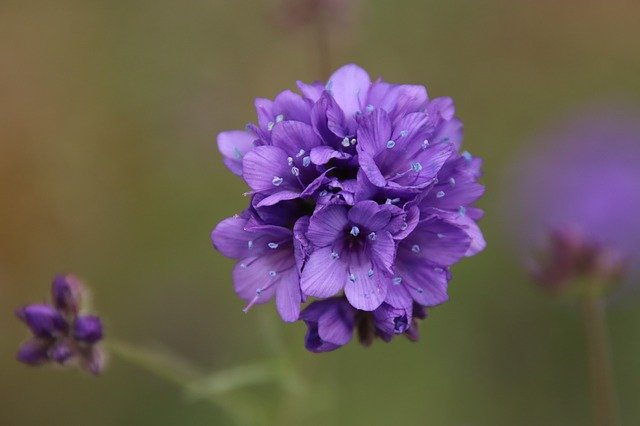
x,y
60,334
576,195
360,197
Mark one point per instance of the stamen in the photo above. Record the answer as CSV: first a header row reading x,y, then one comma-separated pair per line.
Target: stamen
x,y
404,226
416,167
272,274
270,125
370,273
391,144
462,211
353,141
277,180
334,255
300,153
452,181
372,236
273,245
397,280
250,243
467,156
440,194
295,171
425,143
440,236
355,231
290,161
404,133
352,278
279,118
415,249
306,161
370,108
345,142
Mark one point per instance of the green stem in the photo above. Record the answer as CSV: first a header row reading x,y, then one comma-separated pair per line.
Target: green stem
x,y
605,407
214,388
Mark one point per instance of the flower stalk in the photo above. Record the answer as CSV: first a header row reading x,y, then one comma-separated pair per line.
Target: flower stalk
x,y
604,400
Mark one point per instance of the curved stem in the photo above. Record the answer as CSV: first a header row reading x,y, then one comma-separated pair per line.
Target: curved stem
x,y
198,384
605,406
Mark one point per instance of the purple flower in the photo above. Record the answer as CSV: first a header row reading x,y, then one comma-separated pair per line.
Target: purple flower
x,y
353,251
267,264
60,335
576,195
360,196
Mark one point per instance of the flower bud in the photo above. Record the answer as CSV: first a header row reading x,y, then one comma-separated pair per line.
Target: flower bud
x,y
43,320
87,328
34,351
66,291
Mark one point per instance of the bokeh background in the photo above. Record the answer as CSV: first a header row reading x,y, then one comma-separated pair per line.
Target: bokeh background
x,y
109,168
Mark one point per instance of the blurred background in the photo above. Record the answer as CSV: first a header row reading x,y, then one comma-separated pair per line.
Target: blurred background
x,y
109,168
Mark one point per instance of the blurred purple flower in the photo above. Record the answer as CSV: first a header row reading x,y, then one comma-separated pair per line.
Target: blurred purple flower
x,y
578,194
359,191
60,335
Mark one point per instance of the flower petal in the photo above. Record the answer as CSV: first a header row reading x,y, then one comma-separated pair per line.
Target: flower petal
x,y
288,295
324,274
233,145
327,225
370,215
294,136
365,289
437,242
374,131
265,168
349,86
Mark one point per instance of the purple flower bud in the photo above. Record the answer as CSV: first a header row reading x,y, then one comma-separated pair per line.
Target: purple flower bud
x,y
66,291
87,328
34,351
61,352
392,320
43,320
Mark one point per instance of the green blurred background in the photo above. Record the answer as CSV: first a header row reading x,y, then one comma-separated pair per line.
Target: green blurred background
x,y
109,168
